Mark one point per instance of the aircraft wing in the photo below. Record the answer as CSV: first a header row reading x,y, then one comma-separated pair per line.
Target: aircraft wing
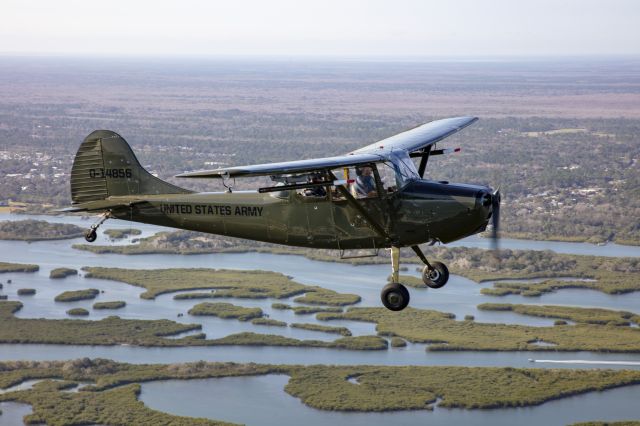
x,y
412,140
288,167
419,137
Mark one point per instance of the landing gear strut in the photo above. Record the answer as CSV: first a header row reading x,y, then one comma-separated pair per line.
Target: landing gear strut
x,y
395,296
90,234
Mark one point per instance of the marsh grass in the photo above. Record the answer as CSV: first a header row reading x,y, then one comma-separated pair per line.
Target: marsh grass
x,y
227,283
305,310
76,295
323,328
580,315
397,342
226,311
268,321
18,267
113,397
62,273
38,230
117,234
444,333
114,331
110,305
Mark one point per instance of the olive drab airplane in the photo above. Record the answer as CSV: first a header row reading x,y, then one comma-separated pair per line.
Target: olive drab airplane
x,y
372,198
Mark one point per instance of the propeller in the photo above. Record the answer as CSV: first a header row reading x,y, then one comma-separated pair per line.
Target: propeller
x,y
495,218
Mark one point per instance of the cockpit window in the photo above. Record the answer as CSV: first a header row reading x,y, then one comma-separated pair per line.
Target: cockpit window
x,y
403,167
388,177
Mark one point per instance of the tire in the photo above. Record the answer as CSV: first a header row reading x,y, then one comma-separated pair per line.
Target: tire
x,y
436,277
395,297
90,235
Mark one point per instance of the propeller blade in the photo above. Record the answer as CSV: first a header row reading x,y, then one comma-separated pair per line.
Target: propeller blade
x,y
495,218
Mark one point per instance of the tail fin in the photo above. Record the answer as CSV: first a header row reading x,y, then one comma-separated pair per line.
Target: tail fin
x,y
105,166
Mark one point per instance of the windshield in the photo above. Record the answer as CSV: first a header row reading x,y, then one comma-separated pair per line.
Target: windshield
x,y
403,167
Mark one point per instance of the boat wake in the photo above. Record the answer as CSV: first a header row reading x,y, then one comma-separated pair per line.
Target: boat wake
x,y
583,361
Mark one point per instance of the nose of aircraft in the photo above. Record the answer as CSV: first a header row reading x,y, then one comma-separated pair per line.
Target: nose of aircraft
x,y
485,200
489,201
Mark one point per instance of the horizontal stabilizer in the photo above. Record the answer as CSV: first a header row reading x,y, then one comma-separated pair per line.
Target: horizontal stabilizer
x,y
101,205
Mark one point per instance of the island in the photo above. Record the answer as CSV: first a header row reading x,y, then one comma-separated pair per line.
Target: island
x,y
118,234
58,273
18,267
226,311
76,295
118,304
227,283
38,230
81,312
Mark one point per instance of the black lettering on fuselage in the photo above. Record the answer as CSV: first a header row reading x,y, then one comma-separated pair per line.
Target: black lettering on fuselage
x,y
211,210
253,211
101,173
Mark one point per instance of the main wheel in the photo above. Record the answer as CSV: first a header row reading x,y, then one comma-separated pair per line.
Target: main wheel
x,y
395,297
90,235
436,277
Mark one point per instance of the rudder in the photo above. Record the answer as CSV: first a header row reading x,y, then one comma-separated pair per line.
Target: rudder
x,y
106,166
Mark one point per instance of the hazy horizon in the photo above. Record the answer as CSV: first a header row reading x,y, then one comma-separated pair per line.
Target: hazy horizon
x,y
359,28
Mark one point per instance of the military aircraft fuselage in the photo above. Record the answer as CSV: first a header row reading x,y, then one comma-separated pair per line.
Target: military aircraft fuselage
x,y
374,197
421,211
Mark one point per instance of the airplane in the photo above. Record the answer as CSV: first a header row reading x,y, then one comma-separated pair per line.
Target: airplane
x,y
371,198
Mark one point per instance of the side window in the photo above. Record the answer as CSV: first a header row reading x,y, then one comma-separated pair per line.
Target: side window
x,y
364,185
363,181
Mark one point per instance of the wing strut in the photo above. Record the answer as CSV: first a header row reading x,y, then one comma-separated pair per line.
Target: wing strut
x,y
423,160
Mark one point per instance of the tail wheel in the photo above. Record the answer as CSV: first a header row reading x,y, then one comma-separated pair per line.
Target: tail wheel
x,y
436,276
395,297
90,235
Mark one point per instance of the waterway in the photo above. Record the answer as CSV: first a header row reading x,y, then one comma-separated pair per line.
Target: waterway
x,y
225,399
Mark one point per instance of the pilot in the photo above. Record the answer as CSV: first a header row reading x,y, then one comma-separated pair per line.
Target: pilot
x,y
365,183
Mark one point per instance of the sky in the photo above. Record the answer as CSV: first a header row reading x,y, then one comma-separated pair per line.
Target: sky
x,y
403,28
